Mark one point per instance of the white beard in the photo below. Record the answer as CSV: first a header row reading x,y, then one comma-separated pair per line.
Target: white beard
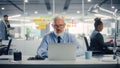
x,y
59,34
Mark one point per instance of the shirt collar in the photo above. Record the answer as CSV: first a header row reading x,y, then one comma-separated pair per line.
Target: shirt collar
x,y
61,35
95,31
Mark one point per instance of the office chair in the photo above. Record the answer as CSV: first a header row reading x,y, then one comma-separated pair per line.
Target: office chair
x,y
6,49
86,42
88,48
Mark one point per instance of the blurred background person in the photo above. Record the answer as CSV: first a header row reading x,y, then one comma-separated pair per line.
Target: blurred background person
x,y
97,41
4,28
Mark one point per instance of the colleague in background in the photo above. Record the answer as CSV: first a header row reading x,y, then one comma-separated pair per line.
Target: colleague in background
x,y
4,28
58,36
97,41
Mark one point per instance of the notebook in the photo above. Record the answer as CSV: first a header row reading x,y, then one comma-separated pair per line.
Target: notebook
x,y
62,51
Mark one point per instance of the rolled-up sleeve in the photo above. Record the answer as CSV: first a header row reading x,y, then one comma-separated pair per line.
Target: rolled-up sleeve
x,y
42,49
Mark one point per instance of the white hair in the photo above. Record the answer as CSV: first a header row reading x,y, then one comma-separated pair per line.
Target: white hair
x,y
58,17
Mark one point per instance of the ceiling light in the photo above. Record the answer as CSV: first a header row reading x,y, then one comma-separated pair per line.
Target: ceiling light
x,y
113,7
78,12
20,20
26,1
15,16
3,8
89,0
36,12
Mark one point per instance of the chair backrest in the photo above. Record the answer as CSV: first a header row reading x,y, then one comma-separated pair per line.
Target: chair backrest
x,y
86,42
8,47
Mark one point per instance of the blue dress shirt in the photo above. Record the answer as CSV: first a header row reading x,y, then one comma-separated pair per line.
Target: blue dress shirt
x,y
51,38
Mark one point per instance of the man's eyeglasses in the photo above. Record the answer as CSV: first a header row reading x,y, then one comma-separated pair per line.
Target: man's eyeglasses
x,y
61,25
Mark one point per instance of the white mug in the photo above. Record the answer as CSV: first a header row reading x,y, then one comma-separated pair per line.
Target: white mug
x,y
88,54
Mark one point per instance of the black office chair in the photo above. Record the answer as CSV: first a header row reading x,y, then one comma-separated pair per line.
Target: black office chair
x,y
6,49
88,48
86,42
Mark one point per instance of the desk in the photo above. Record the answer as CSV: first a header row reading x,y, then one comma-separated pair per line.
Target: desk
x,y
80,62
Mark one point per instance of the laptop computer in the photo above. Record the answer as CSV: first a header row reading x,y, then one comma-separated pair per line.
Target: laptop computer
x,y
58,51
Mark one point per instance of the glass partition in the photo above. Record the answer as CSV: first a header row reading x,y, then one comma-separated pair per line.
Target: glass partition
x,y
31,20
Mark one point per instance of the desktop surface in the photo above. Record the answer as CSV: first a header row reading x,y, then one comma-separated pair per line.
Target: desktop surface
x,y
80,62
107,59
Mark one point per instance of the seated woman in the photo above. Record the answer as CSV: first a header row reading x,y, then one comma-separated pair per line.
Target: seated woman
x,y
96,40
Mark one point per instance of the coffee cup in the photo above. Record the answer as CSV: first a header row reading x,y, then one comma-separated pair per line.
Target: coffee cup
x,y
17,56
88,54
